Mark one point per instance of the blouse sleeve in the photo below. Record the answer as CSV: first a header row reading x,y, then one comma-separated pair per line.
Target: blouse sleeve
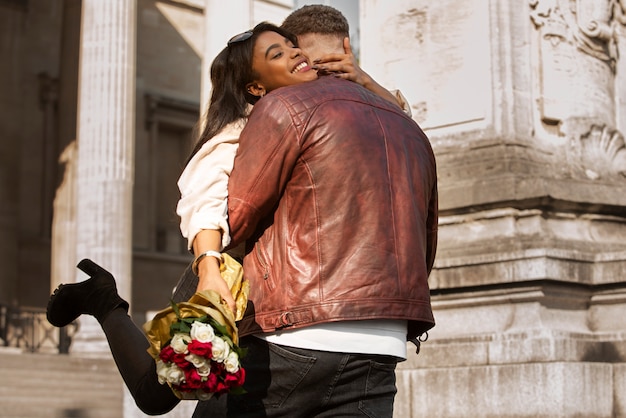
x,y
203,186
402,101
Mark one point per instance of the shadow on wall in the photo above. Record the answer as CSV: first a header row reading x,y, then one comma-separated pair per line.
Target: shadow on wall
x,y
74,413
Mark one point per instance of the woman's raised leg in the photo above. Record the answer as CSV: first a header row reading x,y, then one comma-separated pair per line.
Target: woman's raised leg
x,y
98,297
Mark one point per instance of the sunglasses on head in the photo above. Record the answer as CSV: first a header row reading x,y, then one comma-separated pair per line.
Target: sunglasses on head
x,y
240,38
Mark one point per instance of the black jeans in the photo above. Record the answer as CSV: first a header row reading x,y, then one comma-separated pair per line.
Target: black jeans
x,y
280,381
294,382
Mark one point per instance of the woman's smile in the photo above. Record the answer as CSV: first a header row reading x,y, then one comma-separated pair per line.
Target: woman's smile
x,y
278,62
301,66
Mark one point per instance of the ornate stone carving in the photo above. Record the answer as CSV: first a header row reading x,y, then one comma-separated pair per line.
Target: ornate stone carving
x,y
603,153
588,24
577,58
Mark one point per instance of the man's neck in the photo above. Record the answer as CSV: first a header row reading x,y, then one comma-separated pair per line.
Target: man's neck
x,y
316,45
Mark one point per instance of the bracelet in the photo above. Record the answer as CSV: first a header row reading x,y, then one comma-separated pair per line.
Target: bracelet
x,y
210,253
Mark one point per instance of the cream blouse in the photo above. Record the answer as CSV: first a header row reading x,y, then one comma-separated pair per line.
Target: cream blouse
x,y
203,185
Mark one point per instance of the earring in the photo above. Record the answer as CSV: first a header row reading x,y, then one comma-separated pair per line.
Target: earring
x,y
259,92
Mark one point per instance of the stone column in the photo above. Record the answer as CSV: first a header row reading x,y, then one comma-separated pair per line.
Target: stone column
x,y
106,127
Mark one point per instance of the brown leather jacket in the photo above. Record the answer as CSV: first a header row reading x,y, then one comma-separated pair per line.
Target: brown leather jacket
x,y
335,190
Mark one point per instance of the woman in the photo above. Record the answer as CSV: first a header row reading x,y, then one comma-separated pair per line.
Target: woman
x,y
253,64
261,60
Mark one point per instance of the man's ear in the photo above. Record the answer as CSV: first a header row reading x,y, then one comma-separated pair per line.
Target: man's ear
x,y
256,89
347,48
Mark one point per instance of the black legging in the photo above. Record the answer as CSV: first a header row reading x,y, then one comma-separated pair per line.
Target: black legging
x,y
128,345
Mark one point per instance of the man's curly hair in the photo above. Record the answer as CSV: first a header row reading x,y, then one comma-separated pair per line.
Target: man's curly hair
x,y
317,18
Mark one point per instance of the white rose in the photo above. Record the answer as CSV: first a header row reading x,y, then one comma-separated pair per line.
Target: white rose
x,y
169,373
179,343
202,332
161,369
204,370
231,364
220,350
197,361
175,375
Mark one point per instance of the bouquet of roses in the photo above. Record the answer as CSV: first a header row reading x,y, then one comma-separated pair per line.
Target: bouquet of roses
x,y
195,347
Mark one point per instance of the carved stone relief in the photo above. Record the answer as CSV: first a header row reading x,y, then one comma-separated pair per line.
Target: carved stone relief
x,y
576,76
603,153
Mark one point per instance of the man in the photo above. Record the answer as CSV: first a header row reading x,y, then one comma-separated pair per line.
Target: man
x,y
323,35
335,191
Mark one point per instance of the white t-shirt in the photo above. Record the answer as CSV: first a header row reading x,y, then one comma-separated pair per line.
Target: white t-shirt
x,y
372,336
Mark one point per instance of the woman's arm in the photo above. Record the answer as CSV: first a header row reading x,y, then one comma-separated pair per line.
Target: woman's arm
x,y
202,206
208,268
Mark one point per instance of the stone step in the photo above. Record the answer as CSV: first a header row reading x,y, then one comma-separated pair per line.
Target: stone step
x,y
58,386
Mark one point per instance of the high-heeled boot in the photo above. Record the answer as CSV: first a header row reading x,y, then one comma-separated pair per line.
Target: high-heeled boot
x,y
95,296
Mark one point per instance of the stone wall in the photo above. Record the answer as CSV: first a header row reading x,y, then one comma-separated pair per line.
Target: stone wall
x,y
30,93
523,102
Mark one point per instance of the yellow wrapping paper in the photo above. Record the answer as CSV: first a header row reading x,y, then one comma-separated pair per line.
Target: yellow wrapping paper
x,y
202,303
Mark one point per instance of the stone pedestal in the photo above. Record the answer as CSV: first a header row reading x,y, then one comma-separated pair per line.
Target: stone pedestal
x,y
522,103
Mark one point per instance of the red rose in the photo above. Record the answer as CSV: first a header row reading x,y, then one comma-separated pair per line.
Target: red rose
x,y
211,383
221,387
167,354
193,379
236,379
218,368
179,360
200,349
242,376
184,386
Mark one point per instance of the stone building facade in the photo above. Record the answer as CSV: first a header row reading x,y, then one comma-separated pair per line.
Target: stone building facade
x,y
525,105
524,102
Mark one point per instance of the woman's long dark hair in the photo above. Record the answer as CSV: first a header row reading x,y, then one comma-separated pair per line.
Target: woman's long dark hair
x,y
231,71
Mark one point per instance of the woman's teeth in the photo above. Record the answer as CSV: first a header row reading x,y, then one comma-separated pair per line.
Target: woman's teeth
x,y
299,67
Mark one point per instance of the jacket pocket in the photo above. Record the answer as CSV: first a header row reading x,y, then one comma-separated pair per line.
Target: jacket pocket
x,y
263,266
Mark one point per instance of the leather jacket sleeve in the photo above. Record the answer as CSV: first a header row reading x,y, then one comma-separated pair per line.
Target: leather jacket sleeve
x,y
432,231
268,152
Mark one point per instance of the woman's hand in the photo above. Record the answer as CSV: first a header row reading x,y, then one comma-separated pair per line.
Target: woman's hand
x,y
343,66
210,278
209,275
346,66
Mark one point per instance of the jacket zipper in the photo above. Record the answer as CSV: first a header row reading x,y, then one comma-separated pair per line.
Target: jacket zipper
x,y
260,259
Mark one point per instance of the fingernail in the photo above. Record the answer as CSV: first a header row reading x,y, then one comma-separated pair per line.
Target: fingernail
x,y
316,60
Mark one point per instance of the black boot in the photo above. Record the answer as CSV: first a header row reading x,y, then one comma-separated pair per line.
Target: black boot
x,y
96,296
